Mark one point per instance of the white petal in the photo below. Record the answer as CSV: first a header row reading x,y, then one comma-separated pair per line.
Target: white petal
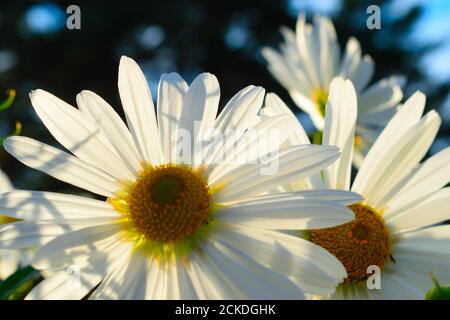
x,y
307,105
396,287
288,165
242,109
333,45
368,135
288,67
377,103
77,280
286,213
5,183
120,283
61,286
240,113
9,262
278,68
138,289
274,106
423,181
417,284
171,91
81,241
153,276
431,240
323,259
340,121
433,210
54,207
341,197
394,162
139,110
247,146
303,33
294,66
325,41
61,165
363,73
351,58
207,280
113,127
102,252
173,280
25,234
252,278
416,264
199,111
307,265
77,133
181,280
407,116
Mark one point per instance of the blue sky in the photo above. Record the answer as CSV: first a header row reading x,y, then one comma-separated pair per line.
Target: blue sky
x,y
433,26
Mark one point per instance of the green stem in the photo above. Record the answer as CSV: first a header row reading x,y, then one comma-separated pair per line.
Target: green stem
x,y
9,101
16,132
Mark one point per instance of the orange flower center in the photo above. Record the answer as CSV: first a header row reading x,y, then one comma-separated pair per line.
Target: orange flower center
x,y
358,244
169,203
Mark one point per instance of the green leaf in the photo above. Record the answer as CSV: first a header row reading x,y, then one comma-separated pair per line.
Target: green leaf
x,y
438,292
17,286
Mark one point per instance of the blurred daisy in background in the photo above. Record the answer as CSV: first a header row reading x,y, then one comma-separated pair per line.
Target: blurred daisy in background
x,y
310,58
171,229
395,226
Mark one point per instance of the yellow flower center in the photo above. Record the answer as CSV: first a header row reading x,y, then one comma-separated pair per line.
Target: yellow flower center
x,y
320,98
169,203
358,244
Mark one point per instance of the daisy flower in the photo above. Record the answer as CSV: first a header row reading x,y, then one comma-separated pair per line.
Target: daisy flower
x,y
174,226
395,226
310,58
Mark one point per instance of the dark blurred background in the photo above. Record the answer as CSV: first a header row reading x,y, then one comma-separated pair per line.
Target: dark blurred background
x,y
221,37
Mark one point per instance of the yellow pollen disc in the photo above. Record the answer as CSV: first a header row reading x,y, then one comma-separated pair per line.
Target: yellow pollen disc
x,y
169,203
358,244
320,98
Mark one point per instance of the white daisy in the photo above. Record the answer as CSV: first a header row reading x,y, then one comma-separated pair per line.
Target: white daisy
x,y
395,226
310,58
170,229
